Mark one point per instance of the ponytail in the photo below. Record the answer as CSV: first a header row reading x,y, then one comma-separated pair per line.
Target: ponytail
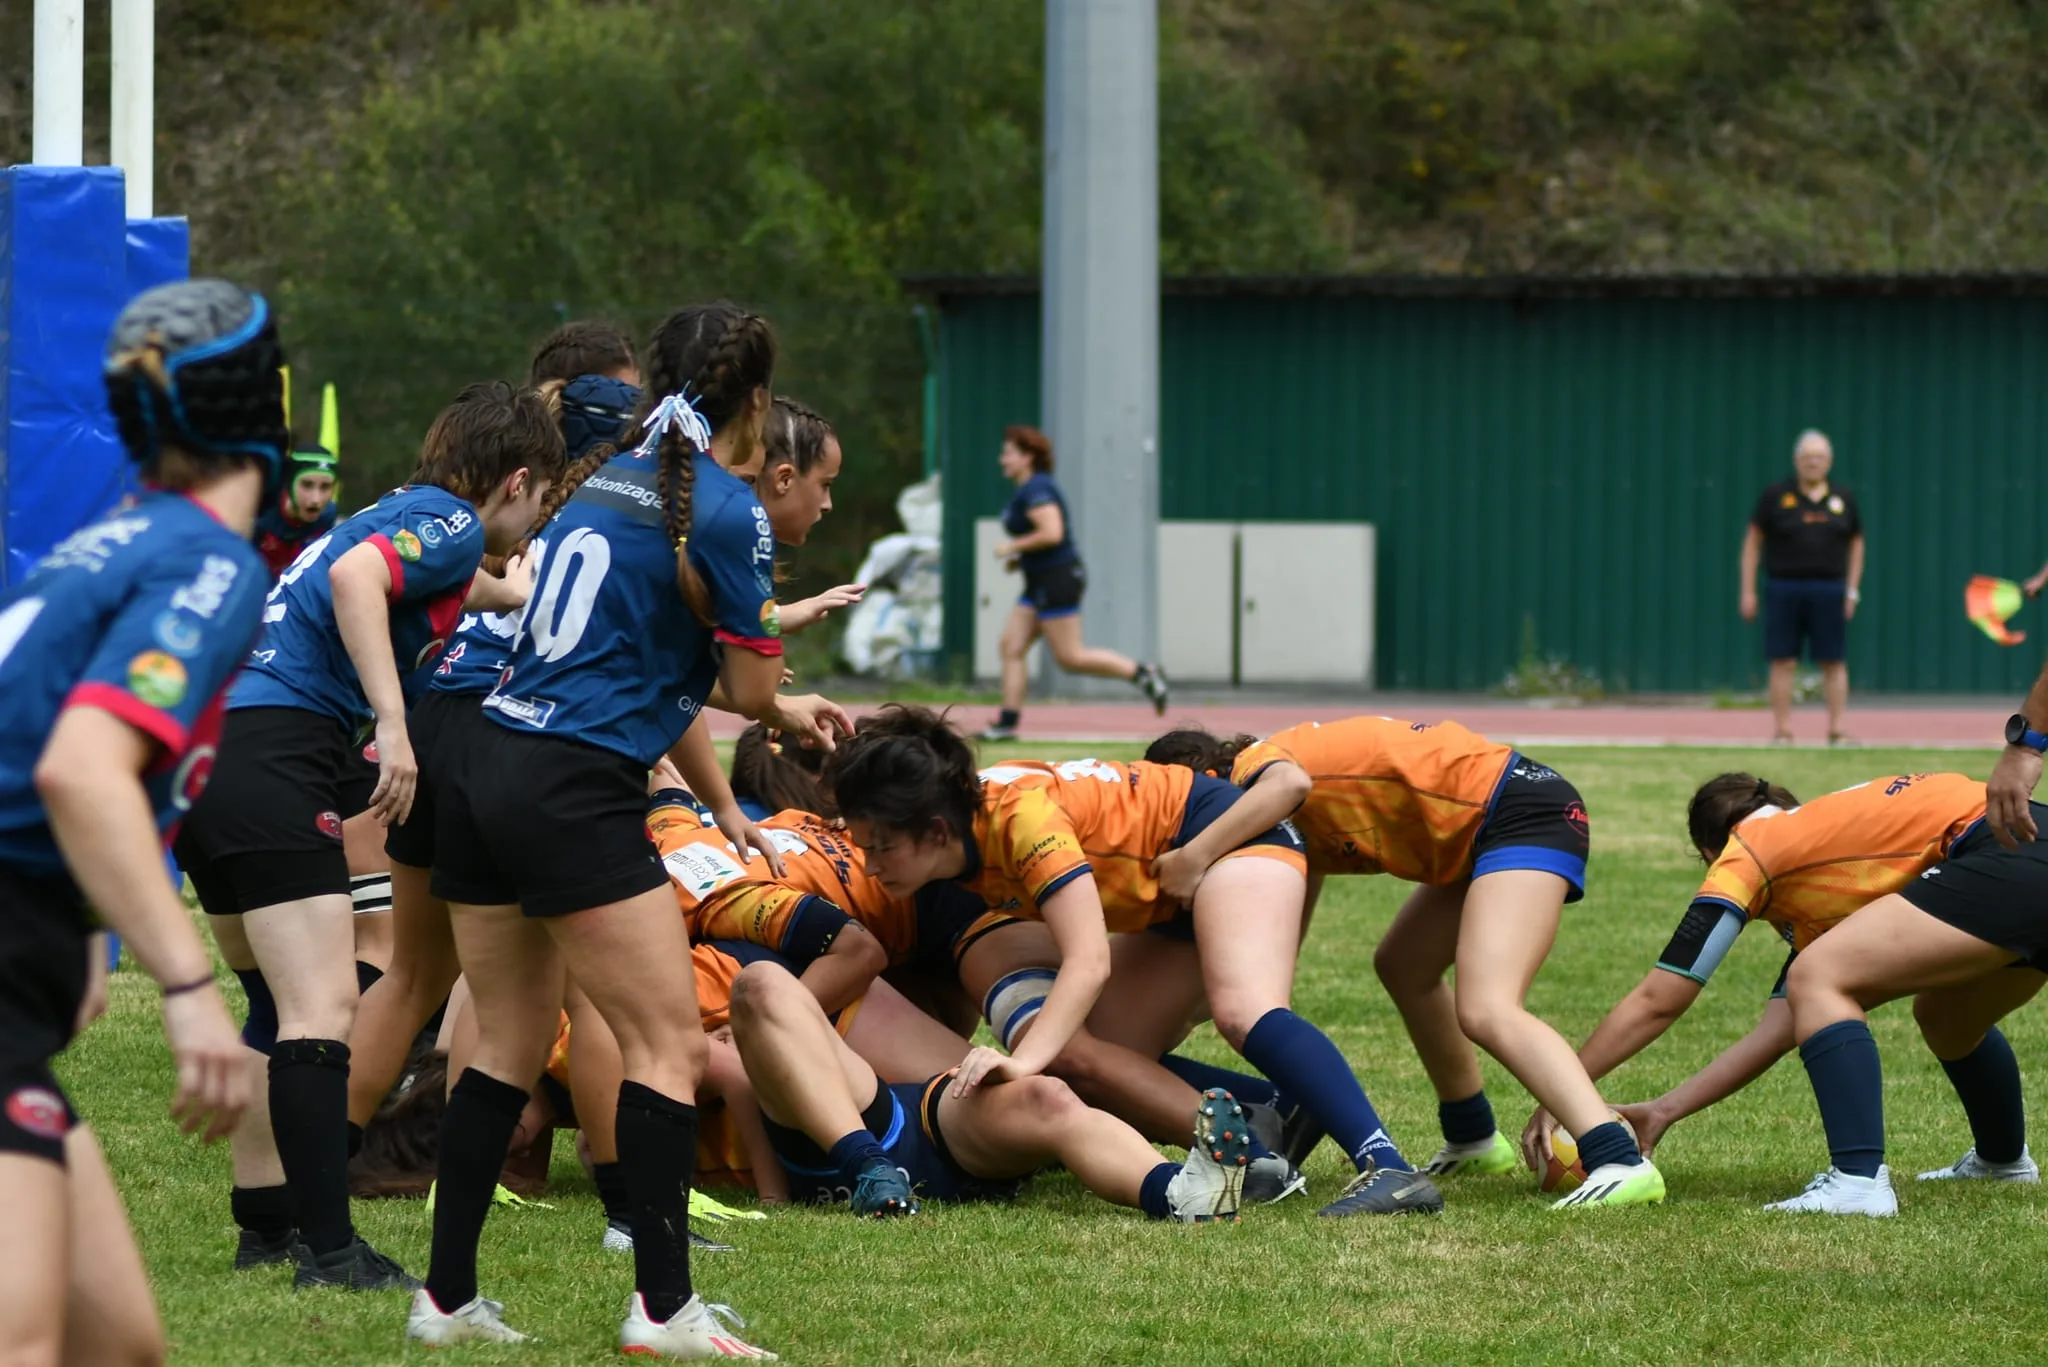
x,y
1725,802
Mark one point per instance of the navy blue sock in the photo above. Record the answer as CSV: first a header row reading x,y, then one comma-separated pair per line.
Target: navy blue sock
x,y
1609,1143
1152,1192
1301,1059
853,1154
1203,1076
1987,1082
1848,1083
1467,1121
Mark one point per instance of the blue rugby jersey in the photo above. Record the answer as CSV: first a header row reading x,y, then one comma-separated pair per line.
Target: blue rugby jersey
x,y
1036,492
608,652
478,654
145,614
431,540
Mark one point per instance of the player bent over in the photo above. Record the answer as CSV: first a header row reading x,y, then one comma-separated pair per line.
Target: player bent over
x,y
1498,843
844,1135
114,653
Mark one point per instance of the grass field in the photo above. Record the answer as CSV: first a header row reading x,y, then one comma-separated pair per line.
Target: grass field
x,y
1063,1278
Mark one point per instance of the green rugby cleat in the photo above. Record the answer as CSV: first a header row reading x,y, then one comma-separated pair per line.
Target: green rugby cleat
x,y
1487,1157
1617,1184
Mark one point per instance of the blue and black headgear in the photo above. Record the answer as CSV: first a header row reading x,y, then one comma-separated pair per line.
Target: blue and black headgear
x,y
595,408
195,364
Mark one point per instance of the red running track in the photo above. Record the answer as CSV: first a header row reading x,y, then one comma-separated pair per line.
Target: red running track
x,y
1978,725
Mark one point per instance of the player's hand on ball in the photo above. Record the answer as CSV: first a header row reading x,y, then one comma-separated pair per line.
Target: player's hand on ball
x,y
2007,797
1536,1140
1649,1122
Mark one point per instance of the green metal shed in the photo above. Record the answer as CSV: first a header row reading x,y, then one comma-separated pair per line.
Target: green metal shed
x,y
1573,457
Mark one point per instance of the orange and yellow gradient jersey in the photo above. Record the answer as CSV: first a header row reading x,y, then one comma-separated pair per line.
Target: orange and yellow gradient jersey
x,y
1398,797
723,899
1041,826
1803,870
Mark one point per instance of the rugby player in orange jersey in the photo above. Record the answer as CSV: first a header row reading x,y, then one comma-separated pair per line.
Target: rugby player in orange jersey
x,y
1498,844
1814,871
1073,845
1803,872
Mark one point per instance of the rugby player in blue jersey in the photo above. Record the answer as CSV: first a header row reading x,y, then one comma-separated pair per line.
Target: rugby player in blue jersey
x,y
654,596
359,610
114,654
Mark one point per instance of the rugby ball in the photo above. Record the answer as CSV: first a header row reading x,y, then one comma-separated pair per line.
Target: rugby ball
x,y
1564,1172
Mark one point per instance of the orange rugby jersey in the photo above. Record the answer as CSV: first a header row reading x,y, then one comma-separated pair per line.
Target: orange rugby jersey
x,y
723,899
1390,796
1804,870
1041,826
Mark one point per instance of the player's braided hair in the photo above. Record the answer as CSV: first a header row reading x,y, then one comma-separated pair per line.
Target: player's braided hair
x,y
903,769
587,346
490,432
1725,802
781,776
795,436
716,356
1198,750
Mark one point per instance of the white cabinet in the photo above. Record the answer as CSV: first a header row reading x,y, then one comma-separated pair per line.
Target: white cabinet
x,y
1239,602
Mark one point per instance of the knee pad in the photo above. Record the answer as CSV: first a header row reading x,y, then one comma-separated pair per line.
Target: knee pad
x,y
1015,999
259,1031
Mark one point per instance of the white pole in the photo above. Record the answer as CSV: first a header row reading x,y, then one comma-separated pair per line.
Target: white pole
x,y
132,141
58,129
1101,299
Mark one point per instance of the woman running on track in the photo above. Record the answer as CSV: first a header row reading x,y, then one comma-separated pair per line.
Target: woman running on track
x,y
114,654
1041,544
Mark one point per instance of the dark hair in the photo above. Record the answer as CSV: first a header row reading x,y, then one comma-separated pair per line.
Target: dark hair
x,y
588,346
795,436
1198,750
1724,802
903,768
781,777
1032,443
490,431
716,356
402,1143
581,468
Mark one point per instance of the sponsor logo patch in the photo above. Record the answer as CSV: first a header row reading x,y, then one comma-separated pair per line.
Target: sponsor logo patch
x,y
158,679
407,545
178,634
39,1111
370,753
191,778
771,619
329,824
430,532
1575,817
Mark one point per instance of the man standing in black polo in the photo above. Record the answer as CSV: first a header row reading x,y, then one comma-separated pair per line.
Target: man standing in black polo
x,y
1808,535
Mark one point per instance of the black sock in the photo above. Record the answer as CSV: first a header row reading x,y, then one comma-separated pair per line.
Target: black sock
x,y
1848,1083
476,1131
1987,1082
658,1154
355,1140
1202,1076
1467,1121
366,976
309,1117
266,1212
611,1189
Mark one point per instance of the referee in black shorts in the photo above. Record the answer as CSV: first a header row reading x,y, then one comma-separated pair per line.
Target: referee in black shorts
x,y
1808,535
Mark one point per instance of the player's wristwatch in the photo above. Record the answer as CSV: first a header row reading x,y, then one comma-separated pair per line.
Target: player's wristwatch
x,y
2017,732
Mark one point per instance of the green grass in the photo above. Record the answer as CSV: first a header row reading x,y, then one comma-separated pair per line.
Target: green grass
x,y
1063,1278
